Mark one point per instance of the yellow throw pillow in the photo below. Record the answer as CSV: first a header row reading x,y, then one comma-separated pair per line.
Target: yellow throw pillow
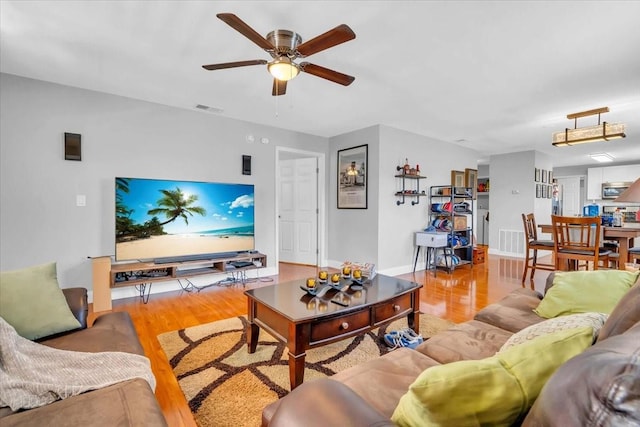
x,y
32,302
585,291
493,391
572,321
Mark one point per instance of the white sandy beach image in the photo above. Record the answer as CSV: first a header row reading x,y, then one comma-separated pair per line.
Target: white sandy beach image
x,y
165,219
182,244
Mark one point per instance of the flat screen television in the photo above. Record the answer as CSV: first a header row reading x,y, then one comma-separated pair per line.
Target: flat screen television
x,y
168,220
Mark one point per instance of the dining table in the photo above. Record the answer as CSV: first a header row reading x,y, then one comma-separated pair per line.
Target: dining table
x,y
623,235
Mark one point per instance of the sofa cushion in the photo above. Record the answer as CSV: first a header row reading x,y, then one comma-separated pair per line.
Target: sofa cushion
x,y
337,403
585,291
129,403
604,385
625,315
393,373
33,303
513,312
493,391
110,332
469,340
591,320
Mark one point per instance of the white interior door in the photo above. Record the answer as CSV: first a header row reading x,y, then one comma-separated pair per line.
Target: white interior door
x,y
570,196
298,216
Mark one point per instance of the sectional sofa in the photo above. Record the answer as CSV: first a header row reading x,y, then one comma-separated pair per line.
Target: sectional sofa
x,y
445,381
127,403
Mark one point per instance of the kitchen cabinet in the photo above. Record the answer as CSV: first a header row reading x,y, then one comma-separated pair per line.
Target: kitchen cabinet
x,y
594,183
597,176
626,173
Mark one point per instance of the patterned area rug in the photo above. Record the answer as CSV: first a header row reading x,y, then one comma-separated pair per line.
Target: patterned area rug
x,y
227,386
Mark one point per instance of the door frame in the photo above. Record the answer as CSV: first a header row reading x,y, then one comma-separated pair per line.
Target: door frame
x,y
321,259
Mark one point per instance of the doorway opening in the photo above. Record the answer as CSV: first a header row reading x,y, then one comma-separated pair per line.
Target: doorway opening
x,y
300,201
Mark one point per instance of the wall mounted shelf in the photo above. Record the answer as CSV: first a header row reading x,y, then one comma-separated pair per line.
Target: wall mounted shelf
x,y
413,192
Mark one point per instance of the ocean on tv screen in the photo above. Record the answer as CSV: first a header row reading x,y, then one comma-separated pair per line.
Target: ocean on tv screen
x,y
169,218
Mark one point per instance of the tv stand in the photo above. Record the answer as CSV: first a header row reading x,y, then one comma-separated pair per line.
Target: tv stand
x,y
108,275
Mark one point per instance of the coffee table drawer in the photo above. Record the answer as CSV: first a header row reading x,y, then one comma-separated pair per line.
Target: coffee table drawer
x,y
395,307
339,326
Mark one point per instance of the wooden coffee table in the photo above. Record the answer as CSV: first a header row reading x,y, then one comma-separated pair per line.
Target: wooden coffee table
x,y
303,321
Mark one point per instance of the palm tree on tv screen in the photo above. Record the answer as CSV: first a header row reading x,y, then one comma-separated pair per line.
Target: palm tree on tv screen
x,y
174,205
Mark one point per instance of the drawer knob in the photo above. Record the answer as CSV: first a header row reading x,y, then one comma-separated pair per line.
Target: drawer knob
x,y
396,307
344,325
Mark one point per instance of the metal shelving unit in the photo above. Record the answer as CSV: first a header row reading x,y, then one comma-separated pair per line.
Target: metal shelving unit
x,y
455,219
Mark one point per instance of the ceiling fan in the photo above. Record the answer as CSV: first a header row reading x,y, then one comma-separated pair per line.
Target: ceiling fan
x,y
285,47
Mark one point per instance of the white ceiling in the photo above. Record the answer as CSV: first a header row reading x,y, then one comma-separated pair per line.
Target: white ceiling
x,y
499,75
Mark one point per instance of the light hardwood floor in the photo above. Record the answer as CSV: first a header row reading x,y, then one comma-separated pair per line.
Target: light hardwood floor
x,y
456,297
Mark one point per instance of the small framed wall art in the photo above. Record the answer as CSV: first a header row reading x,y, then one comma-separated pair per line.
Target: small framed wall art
x,y
72,147
457,179
471,180
352,177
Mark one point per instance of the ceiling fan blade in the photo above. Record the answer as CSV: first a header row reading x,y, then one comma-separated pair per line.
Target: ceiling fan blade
x,y
212,67
279,87
326,73
340,34
240,26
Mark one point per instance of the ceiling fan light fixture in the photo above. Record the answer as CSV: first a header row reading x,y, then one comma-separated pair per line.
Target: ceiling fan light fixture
x,y
600,132
283,69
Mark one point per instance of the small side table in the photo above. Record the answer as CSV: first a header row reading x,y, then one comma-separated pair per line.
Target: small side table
x,y
432,242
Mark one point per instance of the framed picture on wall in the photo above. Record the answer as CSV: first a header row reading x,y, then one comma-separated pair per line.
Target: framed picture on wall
x,y
538,191
536,175
457,179
471,180
352,177
549,191
544,176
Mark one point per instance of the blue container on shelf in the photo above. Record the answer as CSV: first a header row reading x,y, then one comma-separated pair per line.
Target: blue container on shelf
x,y
591,210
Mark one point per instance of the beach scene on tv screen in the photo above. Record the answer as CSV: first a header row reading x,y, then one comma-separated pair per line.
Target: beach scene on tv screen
x,y
167,218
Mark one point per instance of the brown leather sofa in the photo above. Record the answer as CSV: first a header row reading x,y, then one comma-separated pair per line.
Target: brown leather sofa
x,y
601,386
129,403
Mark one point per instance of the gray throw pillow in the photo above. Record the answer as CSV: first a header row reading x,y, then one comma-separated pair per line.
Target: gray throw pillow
x,y
32,302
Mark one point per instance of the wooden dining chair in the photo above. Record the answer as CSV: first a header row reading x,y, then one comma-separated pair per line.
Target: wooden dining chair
x,y
533,245
578,239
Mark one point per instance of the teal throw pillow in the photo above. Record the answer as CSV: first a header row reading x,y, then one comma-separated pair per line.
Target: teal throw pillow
x,y
32,302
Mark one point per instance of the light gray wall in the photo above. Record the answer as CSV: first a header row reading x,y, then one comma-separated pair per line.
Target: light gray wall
x,y
39,219
384,233
513,192
398,224
507,177
354,232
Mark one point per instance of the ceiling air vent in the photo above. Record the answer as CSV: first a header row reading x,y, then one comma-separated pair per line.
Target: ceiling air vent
x,y
209,109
